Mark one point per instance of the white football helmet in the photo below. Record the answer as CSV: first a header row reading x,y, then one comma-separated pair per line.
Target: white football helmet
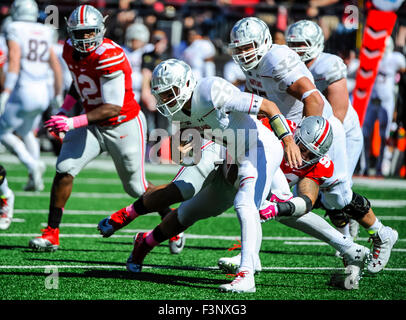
x,y
173,78
316,135
24,10
86,19
136,31
306,38
249,31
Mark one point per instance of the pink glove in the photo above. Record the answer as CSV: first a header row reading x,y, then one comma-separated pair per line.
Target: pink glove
x,y
61,123
269,212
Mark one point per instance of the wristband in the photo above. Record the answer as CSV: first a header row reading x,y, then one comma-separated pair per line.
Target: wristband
x,y
307,93
279,126
80,121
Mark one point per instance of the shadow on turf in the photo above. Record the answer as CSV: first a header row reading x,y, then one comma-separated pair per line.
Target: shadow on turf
x,y
186,281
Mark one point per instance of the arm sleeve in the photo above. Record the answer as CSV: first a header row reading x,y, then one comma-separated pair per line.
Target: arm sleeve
x,y
244,102
113,89
229,98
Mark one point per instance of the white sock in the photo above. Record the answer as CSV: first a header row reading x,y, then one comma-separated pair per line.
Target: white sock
x,y
375,227
4,189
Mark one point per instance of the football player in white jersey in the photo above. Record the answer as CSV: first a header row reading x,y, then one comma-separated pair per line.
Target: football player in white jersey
x,y
137,43
329,71
382,104
277,72
207,190
24,98
228,114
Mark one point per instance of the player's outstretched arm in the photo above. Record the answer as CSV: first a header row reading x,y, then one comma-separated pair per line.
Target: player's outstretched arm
x,y
304,90
282,131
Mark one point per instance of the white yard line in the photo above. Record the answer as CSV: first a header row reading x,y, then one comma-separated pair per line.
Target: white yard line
x,y
188,236
47,267
377,203
90,181
108,213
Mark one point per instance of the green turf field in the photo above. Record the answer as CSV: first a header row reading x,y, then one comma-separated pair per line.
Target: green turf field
x,y
89,267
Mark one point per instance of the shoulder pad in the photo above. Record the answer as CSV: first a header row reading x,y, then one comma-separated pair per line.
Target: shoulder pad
x,y
333,68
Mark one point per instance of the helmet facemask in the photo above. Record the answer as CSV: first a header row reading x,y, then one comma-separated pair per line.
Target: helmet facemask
x,y
309,157
169,100
172,85
86,44
248,59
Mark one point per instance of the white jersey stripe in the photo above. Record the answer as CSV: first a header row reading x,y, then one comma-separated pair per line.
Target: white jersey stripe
x,y
110,64
112,58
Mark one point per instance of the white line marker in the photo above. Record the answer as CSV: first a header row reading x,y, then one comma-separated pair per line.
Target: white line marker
x,y
187,235
168,267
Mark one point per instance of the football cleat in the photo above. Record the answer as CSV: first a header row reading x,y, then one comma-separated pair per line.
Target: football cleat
x,y
35,182
382,244
116,221
48,241
105,228
177,243
231,265
140,250
6,211
354,260
244,282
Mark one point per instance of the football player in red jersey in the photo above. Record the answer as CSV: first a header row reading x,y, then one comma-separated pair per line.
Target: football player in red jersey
x,y
111,119
310,184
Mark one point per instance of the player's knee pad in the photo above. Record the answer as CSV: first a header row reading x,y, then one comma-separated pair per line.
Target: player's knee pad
x,y
358,207
338,218
2,174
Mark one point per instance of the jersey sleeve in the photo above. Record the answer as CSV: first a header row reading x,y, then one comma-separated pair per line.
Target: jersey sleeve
x,y
335,69
111,60
12,32
321,171
285,67
228,97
